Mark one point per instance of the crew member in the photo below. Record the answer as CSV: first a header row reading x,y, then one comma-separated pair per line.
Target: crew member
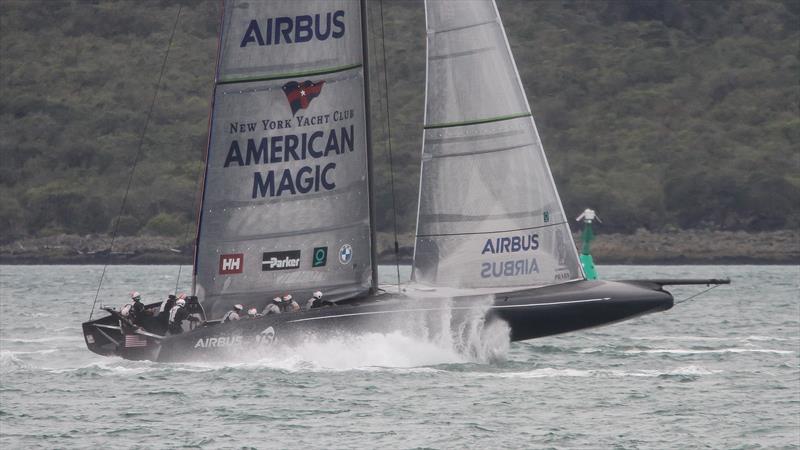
x,y
163,311
177,315
233,314
252,313
133,310
289,304
285,305
274,307
167,305
315,300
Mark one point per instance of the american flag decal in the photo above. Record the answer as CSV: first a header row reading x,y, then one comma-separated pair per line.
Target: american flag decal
x,y
135,340
300,95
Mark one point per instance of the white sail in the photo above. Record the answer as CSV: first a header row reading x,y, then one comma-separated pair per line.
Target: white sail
x,y
489,213
285,204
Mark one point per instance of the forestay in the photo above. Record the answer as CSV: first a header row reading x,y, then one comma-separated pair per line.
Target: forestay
x,y
489,212
285,199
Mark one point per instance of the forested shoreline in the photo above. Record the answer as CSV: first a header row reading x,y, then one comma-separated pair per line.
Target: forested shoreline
x,y
666,116
641,247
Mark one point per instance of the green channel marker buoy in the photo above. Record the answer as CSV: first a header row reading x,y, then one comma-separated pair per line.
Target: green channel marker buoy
x,y
587,217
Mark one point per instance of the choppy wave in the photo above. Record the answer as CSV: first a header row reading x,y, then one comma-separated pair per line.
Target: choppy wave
x,y
694,376
688,351
710,338
10,361
552,372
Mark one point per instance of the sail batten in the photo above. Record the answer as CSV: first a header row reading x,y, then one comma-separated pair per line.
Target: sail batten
x,y
480,152
463,27
471,52
279,76
478,122
489,213
286,197
312,231
454,218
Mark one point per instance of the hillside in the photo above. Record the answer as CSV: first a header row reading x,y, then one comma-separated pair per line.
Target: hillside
x,y
662,114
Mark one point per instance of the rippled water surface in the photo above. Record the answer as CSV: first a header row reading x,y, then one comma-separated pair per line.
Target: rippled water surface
x,y
719,371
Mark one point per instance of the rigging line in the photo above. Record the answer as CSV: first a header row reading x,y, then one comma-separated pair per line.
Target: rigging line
x,y
698,294
389,142
135,161
186,235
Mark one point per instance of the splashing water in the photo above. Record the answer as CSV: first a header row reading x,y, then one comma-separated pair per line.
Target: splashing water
x,y
468,333
423,338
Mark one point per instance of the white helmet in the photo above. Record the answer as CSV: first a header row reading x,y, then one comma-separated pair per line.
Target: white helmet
x,y
180,302
135,295
277,300
252,312
287,297
318,295
238,307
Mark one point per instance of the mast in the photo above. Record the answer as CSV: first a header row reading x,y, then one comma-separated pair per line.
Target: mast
x,y
422,150
208,149
370,181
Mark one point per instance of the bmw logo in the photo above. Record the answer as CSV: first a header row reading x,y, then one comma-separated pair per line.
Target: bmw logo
x,y
346,254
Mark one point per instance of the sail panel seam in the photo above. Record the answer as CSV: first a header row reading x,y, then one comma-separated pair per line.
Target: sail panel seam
x,y
280,76
477,121
464,27
483,137
482,152
460,54
293,233
485,217
494,231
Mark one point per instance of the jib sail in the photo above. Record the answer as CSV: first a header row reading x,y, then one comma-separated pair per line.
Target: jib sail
x,y
489,213
285,199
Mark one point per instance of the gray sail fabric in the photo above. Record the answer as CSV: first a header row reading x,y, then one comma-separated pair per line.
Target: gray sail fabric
x,y
489,212
285,200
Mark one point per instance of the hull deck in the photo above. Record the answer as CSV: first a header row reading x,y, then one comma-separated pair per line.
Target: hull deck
x,y
529,314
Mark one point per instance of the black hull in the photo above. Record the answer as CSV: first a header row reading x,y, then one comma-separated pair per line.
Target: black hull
x,y
529,314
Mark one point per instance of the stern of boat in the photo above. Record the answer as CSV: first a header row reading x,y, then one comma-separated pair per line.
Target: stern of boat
x,y
112,336
103,336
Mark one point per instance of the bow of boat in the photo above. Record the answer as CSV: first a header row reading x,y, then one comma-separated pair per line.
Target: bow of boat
x,y
578,305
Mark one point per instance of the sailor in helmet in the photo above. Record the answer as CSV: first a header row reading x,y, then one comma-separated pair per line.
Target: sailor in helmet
x,y
316,299
289,304
177,315
273,307
252,313
134,309
233,314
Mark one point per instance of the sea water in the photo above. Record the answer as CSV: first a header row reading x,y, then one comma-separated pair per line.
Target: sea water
x,y
721,370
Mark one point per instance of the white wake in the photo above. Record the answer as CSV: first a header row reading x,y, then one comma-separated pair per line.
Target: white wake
x,y
425,338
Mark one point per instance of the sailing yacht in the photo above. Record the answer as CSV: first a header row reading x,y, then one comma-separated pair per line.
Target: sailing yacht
x,y
287,202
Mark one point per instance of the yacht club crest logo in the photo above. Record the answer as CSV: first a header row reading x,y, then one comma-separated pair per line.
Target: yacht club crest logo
x,y
300,95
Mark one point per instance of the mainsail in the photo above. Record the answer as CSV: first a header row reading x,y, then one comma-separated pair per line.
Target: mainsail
x,y
285,203
489,213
